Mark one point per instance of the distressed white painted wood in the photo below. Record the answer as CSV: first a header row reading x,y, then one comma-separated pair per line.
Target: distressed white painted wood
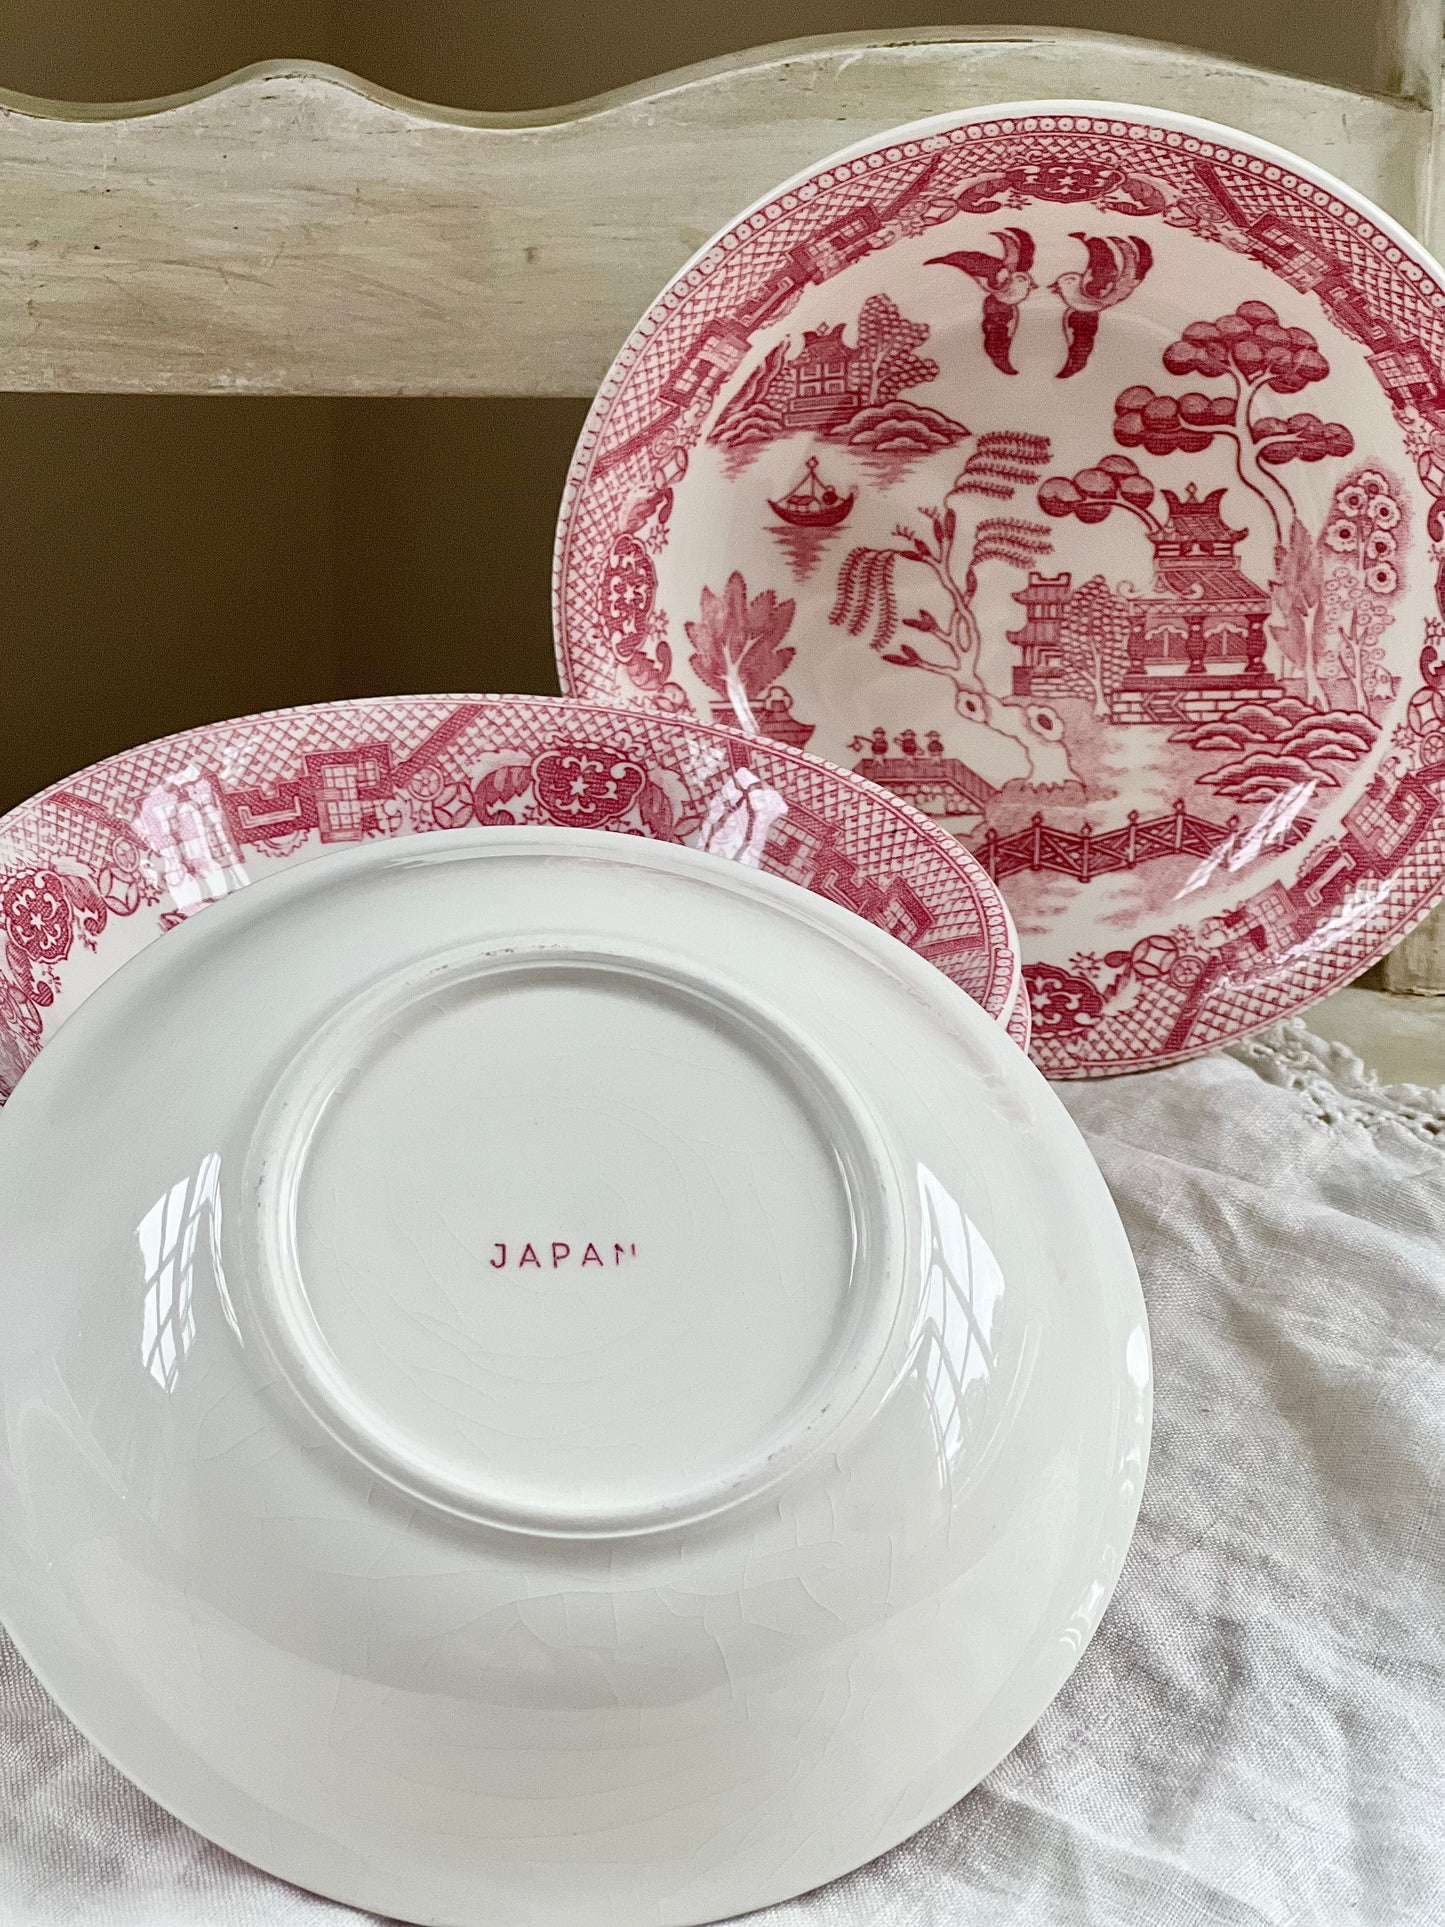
x,y
293,230
1416,967
1408,49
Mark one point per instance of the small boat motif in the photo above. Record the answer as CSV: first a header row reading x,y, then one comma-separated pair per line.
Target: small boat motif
x,y
813,503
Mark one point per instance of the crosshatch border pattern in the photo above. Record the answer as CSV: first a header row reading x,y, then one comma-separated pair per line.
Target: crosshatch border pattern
x,y
1348,898
97,866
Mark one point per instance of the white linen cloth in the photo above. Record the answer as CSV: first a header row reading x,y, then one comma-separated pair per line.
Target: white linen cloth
x,y
1257,1733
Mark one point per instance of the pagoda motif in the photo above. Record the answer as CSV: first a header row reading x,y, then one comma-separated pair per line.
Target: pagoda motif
x,y
824,384
1040,668
1195,646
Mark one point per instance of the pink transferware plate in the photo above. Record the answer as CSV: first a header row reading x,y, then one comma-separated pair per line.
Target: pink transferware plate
x,y
96,867
1077,473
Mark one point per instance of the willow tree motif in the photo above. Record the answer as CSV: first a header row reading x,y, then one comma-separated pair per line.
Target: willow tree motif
x,y
953,547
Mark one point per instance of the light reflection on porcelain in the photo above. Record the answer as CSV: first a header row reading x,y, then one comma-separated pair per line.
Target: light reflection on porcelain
x,y
953,1329
168,1236
739,819
182,824
759,1547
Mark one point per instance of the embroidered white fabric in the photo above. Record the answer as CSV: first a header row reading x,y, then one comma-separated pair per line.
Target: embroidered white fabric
x,y
1256,1733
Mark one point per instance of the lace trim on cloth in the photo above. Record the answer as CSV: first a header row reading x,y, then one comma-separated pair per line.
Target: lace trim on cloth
x,y
1337,1086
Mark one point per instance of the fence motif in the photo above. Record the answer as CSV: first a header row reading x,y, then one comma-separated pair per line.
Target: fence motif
x,y
1086,853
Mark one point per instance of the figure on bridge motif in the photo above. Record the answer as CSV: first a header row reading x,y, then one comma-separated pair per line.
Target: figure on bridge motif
x,y
934,782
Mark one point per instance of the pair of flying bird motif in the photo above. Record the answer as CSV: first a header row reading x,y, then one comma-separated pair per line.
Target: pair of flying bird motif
x,y
1117,264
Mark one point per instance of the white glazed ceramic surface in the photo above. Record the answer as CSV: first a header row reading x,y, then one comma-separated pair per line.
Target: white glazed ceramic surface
x,y
549,1379
1077,472
99,865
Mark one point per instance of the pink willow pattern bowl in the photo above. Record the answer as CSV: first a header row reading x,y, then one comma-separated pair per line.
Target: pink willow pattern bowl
x,y
98,866
1078,474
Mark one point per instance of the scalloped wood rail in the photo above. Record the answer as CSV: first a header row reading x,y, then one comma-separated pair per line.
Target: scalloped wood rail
x,y
295,231
292,230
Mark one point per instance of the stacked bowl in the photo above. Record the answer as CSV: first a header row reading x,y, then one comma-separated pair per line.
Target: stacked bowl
x,y
560,1362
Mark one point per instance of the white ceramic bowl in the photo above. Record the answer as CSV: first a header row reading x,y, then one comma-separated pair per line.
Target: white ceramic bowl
x,y
551,1378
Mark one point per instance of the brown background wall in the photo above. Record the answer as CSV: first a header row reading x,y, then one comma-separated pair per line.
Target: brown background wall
x,y
172,560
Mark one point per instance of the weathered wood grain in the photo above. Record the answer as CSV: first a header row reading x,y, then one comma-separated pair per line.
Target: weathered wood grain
x,y
1416,966
1408,49
294,231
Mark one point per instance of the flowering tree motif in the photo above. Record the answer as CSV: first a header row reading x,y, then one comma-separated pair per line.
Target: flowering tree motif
x,y
1000,463
1361,548
737,644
